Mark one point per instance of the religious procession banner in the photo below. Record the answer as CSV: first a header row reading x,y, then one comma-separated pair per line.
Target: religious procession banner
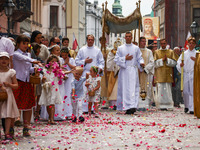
x,y
151,27
114,24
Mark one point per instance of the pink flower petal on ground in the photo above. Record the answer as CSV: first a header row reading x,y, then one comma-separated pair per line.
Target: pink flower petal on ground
x,y
178,140
162,131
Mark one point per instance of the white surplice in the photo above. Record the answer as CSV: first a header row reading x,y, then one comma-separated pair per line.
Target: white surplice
x,y
128,79
163,97
188,77
97,60
111,66
149,69
67,85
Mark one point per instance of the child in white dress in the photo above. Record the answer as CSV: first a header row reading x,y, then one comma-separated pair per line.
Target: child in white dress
x,y
59,113
69,65
50,88
93,87
8,108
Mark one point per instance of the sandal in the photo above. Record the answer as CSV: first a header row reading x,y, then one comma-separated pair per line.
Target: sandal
x,y
26,132
37,115
12,132
8,137
51,122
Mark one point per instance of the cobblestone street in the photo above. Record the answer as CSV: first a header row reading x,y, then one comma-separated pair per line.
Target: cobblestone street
x,y
144,130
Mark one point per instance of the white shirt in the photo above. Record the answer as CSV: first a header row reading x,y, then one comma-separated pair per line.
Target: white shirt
x,y
22,65
91,52
6,45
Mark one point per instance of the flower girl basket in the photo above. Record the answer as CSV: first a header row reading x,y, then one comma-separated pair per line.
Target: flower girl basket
x,y
3,94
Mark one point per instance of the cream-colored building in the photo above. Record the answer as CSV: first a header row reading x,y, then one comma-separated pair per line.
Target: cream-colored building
x,y
36,18
54,18
93,21
160,12
76,21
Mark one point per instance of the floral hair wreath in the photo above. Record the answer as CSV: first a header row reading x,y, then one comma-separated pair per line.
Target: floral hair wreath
x,y
30,46
95,69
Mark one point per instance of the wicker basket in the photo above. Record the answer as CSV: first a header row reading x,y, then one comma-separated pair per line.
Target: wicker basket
x,y
3,96
34,79
91,93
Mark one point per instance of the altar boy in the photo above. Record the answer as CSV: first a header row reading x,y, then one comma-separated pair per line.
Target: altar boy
x,y
188,76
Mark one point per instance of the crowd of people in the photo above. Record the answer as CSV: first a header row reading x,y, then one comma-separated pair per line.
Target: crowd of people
x,y
49,80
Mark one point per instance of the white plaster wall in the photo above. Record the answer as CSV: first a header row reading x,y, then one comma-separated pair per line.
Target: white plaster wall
x,y
46,17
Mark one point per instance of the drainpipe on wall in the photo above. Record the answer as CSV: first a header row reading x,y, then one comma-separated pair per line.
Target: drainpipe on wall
x,y
66,18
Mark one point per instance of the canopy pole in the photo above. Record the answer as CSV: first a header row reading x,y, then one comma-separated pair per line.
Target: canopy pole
x,y
135,29
103,43
139,23
134,35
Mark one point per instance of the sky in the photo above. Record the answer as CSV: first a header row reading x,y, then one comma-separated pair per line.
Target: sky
x,y
128,6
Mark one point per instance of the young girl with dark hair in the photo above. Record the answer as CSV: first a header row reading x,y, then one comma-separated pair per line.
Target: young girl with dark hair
x,y
24,94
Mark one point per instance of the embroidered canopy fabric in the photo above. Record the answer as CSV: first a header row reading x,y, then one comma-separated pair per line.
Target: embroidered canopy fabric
x,y
115,24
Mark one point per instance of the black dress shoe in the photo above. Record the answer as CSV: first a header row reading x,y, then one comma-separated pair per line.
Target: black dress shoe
x,y
104,107
114,107
191,112
92,112
177,105
163,109
186,110
74,119
153,104
128,112
133,110
81,119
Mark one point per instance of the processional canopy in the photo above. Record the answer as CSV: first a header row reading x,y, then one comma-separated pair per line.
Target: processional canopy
x,y
114,24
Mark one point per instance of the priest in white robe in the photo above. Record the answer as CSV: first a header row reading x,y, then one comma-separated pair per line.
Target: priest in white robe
x,y
89,56
165,60
146,76
129,58
188,75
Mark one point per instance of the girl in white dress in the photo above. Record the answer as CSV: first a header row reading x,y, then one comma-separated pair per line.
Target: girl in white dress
x,y
93,86
8,108
50,88
69,65
60,110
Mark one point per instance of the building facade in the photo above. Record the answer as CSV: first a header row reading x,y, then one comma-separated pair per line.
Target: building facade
x,y
21,12
159,11
93,21
36,18
53,18
176,19
76,21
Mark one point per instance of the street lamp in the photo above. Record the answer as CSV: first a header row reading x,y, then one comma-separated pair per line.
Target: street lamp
x,y
194,28
9,7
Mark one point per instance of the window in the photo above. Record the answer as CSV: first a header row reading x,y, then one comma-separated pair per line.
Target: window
x,y
53,16
196,15
115,10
